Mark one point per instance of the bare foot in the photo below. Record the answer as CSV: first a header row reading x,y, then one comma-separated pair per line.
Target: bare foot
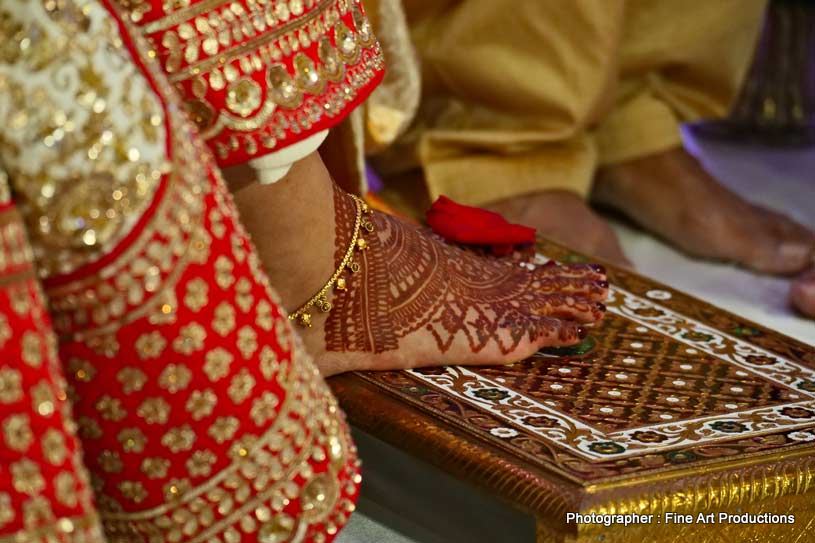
x,y
414,301
672,195
564,217
802,294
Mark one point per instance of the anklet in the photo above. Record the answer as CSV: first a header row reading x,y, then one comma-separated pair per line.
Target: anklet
x,y
358,243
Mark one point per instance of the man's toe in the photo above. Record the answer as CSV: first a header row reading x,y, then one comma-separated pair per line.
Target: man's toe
x,y
802,294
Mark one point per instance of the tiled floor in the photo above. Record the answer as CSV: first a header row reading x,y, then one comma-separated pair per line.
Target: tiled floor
x,y
400,504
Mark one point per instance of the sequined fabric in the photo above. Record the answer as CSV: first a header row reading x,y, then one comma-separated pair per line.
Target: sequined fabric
x,y
45,493
201,418
258,75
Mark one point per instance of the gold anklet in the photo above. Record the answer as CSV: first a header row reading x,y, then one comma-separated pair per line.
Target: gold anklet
x,y
320,300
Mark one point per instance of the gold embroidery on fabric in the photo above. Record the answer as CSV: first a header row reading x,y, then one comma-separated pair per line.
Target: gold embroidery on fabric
x,y
132,440
220,50
137,9
155,468
175,377
154,411
298,110
223,429
201,403
262,38
243,97
82,370
241,386
6,510
216,364
131,379
244,298
223,321
17,432
179,13
247,341
10,385
26,477
264,408
110,408
53,446
32,349
265,471
150,345
15,252
190,339
271,492
133,490
42,399
110,462
65,489
179,439
89,428
80,529
200,463
93,140
196,297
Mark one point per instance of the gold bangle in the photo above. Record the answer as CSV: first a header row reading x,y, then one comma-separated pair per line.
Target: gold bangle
x,y
358,243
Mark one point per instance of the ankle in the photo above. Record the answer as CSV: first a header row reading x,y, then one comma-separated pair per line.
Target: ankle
x,y
292,225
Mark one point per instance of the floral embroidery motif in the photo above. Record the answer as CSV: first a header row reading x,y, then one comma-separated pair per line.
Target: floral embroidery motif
x,y
89,169
257,76
150,369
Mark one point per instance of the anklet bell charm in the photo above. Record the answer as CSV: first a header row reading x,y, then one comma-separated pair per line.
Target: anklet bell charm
x,y
323,305
305,320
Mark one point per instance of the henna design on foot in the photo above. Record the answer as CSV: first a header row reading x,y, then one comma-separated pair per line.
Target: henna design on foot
x,y
410,281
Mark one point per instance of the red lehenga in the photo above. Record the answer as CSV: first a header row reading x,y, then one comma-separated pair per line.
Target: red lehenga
x,y
200,417
45,494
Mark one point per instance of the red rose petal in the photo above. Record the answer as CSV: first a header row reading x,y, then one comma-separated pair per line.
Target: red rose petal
x,y
475,226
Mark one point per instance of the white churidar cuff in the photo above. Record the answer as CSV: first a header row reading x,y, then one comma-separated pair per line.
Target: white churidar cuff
x,y
274,166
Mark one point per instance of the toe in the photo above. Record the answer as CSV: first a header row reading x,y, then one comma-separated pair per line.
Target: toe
x,y
756,244
579,271
558,333
793,256
773,254
769,242
518,337
802,294
570,307
593,289
796,243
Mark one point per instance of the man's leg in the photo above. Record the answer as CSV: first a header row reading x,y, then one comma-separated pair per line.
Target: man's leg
x,y
509,88
683,63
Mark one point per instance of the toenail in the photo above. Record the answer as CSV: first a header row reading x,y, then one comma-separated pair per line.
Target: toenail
x,y
600,306
582,332
794,251
598,268
602,284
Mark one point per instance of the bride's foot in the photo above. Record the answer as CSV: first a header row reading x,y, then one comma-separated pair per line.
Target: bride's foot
x,y
672,195
415,301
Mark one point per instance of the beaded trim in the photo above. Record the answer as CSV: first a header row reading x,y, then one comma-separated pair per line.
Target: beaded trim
x,y
320,300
